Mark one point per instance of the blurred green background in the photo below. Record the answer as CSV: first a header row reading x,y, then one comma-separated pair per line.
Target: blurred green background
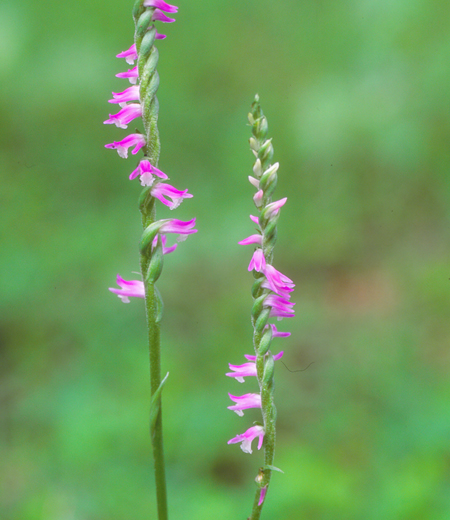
x,y
357,94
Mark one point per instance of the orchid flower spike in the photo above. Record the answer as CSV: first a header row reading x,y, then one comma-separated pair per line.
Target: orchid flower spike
x,y
271,293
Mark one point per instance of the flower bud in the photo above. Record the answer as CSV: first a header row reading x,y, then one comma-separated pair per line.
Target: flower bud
x,y
269,368
265,153
143,23
261,128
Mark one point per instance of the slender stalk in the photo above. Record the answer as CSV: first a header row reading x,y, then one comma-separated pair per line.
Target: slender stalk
x,y
149,81
156,432
152,245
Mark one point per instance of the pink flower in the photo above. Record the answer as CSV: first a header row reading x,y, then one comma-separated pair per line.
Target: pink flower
x,y
244,401
254,219
161,190
129,94
166,250
146,171
277,282
130,55
273,208
278,334
159,16
262,495
160,4
258,197
252,239
247,438
281,308
136,140
241,371
133,288
125,116
247,369
131,74
258,261
178,226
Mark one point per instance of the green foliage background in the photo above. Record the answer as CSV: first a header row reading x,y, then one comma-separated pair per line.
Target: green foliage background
x,y
358,101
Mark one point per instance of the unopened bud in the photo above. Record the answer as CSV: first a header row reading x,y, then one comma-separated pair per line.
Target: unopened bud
x,y
156,263
269,368
143,23
147,42
265,153
254,144
257,168
261,128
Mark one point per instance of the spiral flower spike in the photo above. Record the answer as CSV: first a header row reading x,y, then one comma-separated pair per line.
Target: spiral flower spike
x,y
140,101
271,292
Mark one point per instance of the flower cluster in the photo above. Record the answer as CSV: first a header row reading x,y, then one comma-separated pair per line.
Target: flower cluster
x,y
132,106
271,292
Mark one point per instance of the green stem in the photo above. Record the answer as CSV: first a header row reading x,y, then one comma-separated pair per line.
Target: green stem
x,y
156,432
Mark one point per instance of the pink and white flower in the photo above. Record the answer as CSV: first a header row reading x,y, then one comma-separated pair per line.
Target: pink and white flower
x,y
146,171
178,226
241,371
129,94
258,198
159,16
272,209
247,369
165,250
160,4
247,437
252,239
131,74
278,334
258,261
128,289
130,54
280,307
136,140
244,402
161,190
125,116
277,282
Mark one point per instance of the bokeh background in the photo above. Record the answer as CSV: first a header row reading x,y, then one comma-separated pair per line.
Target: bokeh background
x,y
357,94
